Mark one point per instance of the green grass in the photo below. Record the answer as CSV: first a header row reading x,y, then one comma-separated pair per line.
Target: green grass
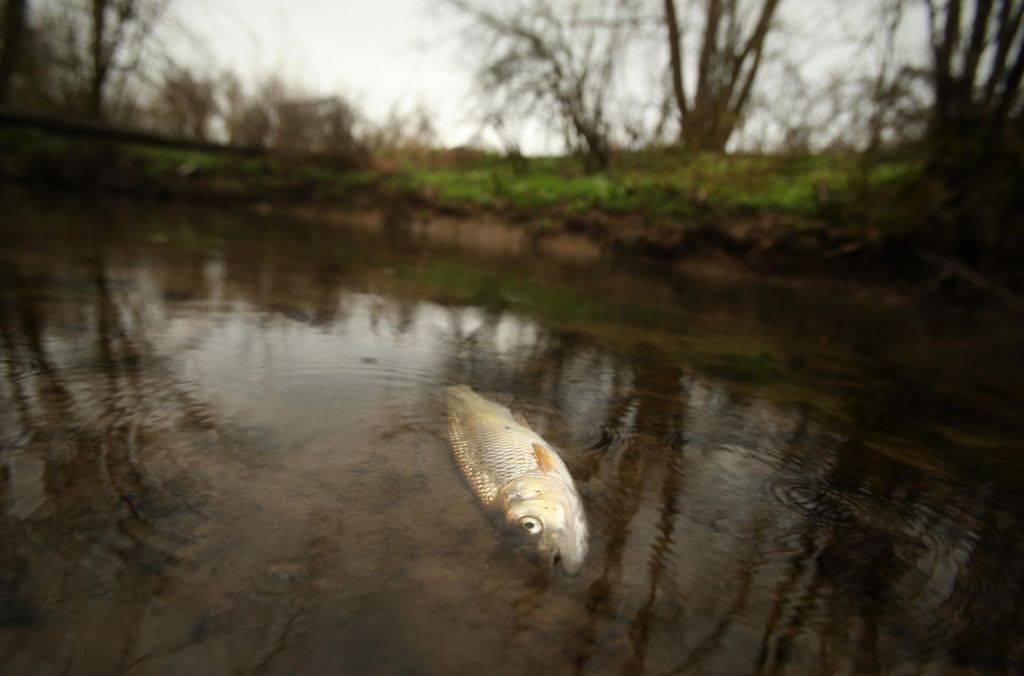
x,y
654,185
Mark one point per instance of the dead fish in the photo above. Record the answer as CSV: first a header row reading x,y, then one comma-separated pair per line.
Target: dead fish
x,y
511,468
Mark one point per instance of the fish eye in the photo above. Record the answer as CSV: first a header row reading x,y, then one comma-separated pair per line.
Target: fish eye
x,y
530,525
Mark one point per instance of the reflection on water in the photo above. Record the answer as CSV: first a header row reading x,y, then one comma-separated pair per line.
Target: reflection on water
x,y
221,451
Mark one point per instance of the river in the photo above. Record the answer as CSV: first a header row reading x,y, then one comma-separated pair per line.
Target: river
x,y
222,451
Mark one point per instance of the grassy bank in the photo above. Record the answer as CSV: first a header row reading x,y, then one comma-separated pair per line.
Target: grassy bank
x,y
664,185
654,185
59,160
788,214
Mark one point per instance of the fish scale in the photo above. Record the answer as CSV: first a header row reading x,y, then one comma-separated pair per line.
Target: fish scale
x,y
510,467
490,445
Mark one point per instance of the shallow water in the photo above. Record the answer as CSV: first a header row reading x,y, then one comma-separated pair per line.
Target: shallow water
x,y
221,450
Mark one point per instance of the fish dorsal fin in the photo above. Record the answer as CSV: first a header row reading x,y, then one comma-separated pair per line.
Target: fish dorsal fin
x,y
544,458
519,418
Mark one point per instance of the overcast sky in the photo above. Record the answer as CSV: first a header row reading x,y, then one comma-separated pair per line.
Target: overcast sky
x,y
386,53
380,54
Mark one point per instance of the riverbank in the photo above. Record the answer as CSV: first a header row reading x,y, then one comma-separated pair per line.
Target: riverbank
x,y
820,216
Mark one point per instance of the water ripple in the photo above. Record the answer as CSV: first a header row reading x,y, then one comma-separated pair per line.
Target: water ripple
x,y
822,502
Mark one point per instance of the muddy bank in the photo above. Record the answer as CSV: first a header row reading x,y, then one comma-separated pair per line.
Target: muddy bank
x,y
753,247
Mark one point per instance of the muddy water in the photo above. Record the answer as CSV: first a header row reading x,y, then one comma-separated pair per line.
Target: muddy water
x,y
221,451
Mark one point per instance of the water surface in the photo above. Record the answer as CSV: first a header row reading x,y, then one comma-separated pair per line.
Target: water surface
x,y
221,451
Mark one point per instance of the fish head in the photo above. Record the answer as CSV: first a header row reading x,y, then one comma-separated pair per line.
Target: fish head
x,y
548,512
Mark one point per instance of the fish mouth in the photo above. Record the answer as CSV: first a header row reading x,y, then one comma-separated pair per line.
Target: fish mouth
x,y
563,546
566,558
553,554
570,565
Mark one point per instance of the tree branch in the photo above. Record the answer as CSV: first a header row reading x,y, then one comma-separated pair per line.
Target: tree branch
x,y
1009,94
975,47
707,52
676,61
755,45
944,84
1009,24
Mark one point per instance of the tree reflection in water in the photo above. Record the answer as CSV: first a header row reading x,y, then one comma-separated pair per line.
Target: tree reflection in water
x,y
222,449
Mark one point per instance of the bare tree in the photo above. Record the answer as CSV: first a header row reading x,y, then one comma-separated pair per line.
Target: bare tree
x,y
558,66
13,22
289,120
185,104
977,66
976,132
49,68
315,125
728,61
403,129
118,31
248,120
82,56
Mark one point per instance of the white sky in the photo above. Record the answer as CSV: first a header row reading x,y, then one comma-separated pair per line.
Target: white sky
x,y
386,53
379,54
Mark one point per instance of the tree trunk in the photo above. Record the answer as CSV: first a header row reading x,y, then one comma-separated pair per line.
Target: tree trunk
x,y
973,104
974,145
13,26
705,132
676,61
594,146
945,86
100,65
727,68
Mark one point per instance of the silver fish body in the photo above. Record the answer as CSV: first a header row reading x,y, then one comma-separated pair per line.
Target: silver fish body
x,y
511,468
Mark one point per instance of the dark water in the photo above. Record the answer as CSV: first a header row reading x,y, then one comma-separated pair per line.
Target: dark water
x,y
221,451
